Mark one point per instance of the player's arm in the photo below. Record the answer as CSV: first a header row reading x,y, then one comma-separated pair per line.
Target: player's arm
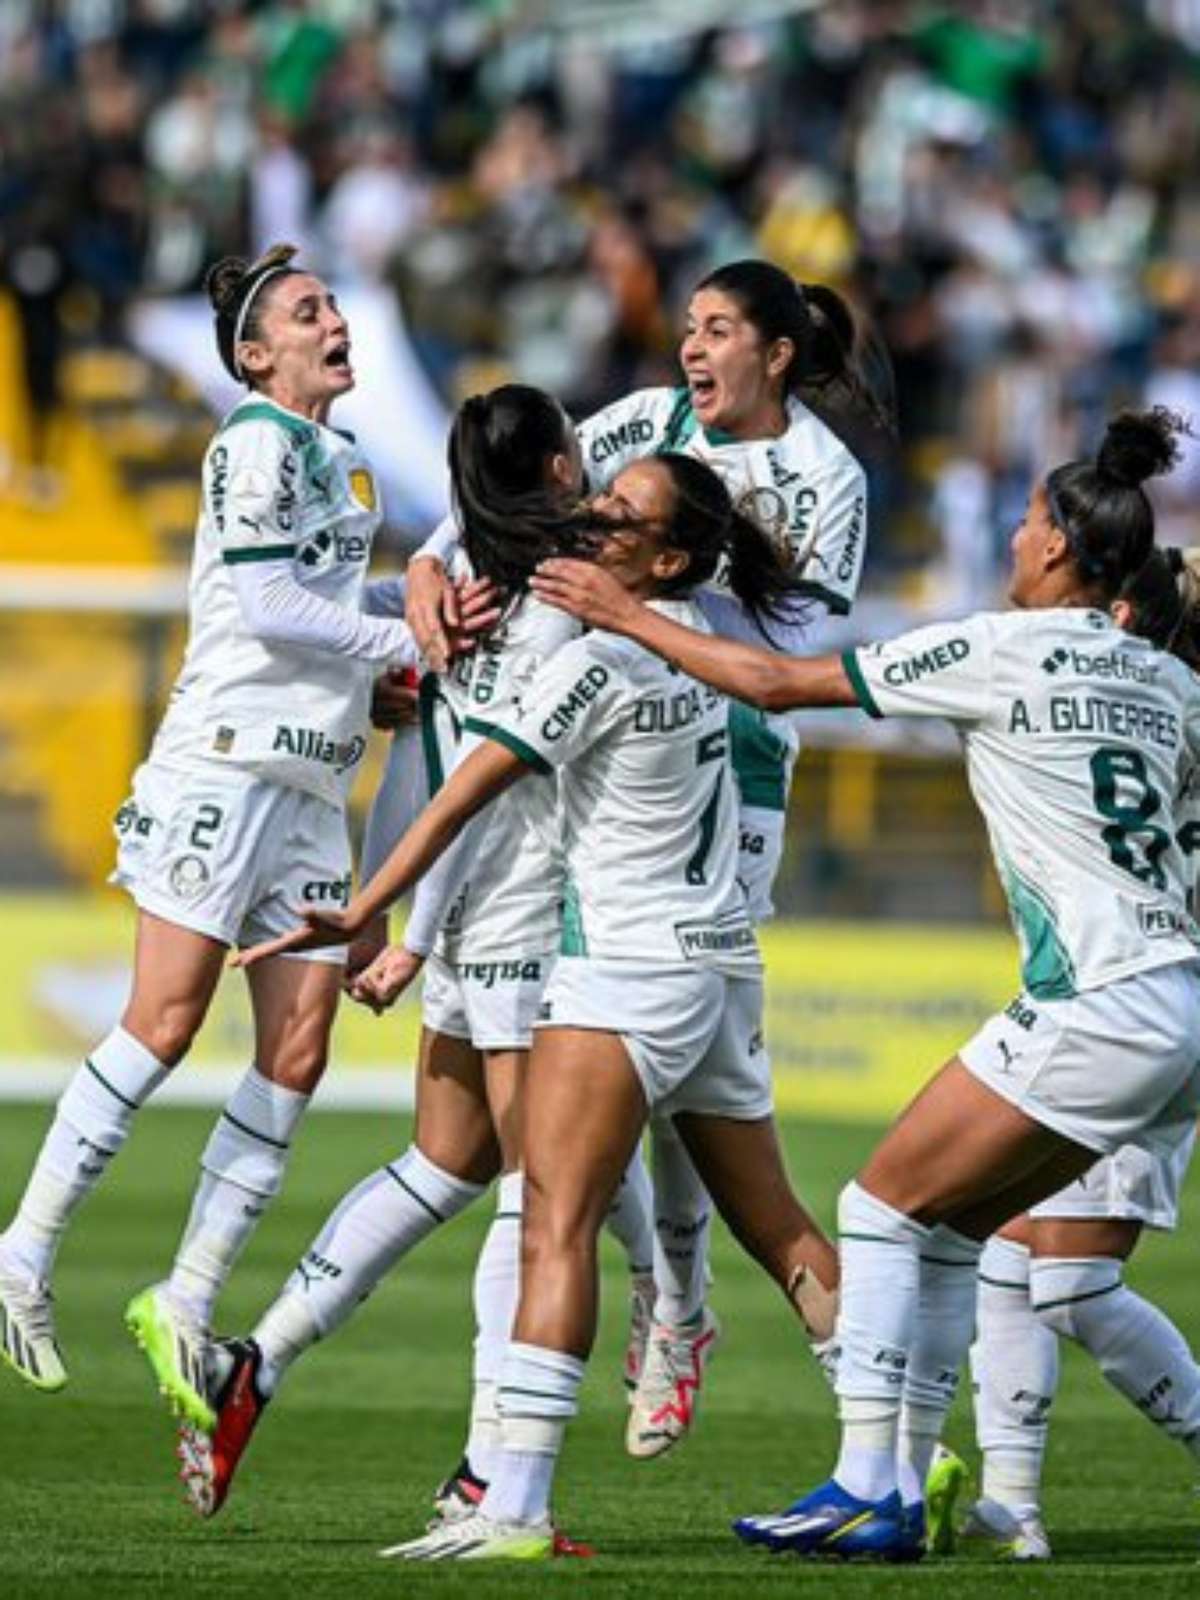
x,y
760,677
486,773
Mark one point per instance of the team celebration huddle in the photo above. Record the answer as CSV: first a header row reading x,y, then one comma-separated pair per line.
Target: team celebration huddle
x,y
591,667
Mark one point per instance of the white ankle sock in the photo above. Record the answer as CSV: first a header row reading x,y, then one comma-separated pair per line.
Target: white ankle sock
x,y
497,1284
942,1337
539,1393
370,1229
682,1221
631,1215
94,1115
1014,1373
880,1251
243,1167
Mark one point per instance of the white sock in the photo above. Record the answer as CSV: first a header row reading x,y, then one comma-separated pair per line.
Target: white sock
x,y
371,1228
1014,1372
631,1215
94,1115
539,1393
944,1330
682,1220
1139,1350
242,1170
497,1285
880,1254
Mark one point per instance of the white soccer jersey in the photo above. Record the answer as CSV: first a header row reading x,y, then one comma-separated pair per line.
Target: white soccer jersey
x,y
1078,738
275,485
646,806
511,899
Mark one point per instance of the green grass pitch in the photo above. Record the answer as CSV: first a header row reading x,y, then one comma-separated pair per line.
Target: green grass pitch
x,y
368,1423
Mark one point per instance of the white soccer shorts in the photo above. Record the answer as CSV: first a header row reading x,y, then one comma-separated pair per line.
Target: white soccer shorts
x,y
491,1003
1113,1066
694,1035
230,855
1131,1186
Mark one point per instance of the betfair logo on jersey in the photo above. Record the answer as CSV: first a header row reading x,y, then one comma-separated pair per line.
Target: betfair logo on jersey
x,y
351,548
629,436
913,668
562,718
489,973
310,744
1109,664
362,486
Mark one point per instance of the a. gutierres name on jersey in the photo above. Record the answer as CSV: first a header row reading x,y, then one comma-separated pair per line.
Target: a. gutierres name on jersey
x,y
311,744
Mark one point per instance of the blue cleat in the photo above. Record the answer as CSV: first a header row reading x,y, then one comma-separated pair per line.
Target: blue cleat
x,y
830,1522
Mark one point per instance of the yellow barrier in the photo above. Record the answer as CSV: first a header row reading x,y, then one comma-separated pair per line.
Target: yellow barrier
x,y
858,1016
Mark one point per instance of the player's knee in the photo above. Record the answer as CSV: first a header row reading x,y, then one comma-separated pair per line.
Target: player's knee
x,y
167,1031
1065,1294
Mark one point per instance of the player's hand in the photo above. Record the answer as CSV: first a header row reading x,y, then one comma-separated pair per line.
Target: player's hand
x,y
477,603
585,591
385,980
318,931
430,608
393,700
364,949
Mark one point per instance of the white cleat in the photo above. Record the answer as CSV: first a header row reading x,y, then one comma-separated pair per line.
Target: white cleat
x,y
1016,1538
28,1343
478,1538
642,1295
663,1408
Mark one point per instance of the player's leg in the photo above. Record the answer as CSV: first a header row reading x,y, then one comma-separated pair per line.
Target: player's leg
x,y
1014,1371
631,1221
175,973
584,1113
451,1160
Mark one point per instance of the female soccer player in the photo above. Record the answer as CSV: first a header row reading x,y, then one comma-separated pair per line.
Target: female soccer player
x,y
769,365
237,815
1077,737
649,837
1058,1271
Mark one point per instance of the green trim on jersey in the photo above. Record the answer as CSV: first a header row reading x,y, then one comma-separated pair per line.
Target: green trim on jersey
x,y
1047,971
574,940
682,424
258,552
510,741
759,758
428,695
859,684
837,604
305,436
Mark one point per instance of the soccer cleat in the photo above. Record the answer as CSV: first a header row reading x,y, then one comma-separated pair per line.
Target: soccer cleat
x,y
663,1408
478,1538
642,1294
1013,1536
207,1464
28,1343
460,1496
830,1522
944,1482
175,1345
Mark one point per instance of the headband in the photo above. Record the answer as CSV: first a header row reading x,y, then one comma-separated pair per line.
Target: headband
x,y
239,326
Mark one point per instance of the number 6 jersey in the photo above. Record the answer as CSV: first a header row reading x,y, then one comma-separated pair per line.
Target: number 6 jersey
x,y
1078,740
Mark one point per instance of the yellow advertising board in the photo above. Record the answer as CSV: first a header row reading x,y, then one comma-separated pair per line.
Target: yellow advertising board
x,y
858,1015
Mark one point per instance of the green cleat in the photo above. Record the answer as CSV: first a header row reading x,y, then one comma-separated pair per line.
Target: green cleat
x,y
944,1483
175,1345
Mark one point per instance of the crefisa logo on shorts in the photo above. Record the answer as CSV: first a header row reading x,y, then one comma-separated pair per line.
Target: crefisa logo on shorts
x,y
189,875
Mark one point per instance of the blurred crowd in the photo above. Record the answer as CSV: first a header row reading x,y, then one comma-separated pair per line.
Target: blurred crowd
x,y
1009,188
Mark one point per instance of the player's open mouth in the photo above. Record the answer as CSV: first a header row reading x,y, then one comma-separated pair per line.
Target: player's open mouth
x,y
339,357
703,388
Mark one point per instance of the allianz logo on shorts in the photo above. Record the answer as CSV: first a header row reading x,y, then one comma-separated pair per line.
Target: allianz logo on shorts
x,y
489,973
310,744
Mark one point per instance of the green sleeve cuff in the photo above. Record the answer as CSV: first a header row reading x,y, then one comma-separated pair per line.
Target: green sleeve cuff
x,y
837,604
859,684
510,741
258,552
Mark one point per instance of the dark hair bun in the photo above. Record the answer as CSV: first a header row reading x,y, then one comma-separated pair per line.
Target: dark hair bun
x,y
227,281
1138,445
